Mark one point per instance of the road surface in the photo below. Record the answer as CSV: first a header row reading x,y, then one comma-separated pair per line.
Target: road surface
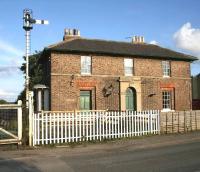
x,y
166,153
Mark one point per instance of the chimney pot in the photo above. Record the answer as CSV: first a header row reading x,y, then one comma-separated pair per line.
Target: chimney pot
x,y
137,39
71,33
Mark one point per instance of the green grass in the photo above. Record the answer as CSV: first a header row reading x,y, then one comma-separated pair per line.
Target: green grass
x,y
92,142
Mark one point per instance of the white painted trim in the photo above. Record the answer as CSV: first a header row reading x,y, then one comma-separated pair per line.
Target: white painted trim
x,y
39,100
167,110
128,74
166,76
19,120
31,112
86,74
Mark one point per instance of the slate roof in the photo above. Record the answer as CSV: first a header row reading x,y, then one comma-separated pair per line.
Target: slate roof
x,y
103,47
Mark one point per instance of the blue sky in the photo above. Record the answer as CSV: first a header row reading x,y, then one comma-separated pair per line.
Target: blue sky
x,y
174,24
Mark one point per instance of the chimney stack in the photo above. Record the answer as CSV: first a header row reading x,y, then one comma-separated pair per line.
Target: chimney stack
x,y
71,33
138,39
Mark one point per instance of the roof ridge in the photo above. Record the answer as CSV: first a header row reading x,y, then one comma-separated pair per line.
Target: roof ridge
x,y
102,40
115,41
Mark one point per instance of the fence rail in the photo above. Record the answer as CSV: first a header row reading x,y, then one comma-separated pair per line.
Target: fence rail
x,y
60,127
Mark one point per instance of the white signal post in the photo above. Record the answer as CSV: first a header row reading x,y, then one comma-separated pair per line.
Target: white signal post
x,y
28,22
41,22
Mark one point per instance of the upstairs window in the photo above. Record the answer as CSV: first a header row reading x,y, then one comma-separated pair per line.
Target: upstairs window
x,y
166,68
128,67
86,65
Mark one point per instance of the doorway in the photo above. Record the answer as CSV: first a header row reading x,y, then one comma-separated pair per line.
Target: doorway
x,y
131,99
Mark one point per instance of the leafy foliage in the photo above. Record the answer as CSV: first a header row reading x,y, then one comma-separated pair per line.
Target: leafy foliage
x,y
35,73
3,101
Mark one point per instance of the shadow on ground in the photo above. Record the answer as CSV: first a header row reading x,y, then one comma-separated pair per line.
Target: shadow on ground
x,y
9,165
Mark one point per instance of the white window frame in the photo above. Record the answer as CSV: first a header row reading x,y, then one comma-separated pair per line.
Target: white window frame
x,y
166,68
128,66
86,65
166,100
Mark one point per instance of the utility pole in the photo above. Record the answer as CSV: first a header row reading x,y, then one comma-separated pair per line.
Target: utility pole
x,y
28,22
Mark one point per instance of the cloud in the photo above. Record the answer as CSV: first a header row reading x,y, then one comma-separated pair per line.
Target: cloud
x,y
188,39
8,95
8,48
11,78
153,42
9,70
10,59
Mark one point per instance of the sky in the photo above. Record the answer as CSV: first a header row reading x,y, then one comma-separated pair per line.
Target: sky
x,y
173,24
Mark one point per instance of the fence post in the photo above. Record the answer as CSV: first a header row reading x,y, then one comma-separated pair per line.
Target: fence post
x,y
195,120
19,120
184,121
151,121
190,121
159,121
166,123
30,118
178,124
172,122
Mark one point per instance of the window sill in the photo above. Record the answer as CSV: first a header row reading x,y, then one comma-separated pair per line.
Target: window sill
x,y
85,74
128,75
166,76
167,110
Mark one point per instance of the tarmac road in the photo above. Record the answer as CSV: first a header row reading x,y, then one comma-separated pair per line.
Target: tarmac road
x,y
166,153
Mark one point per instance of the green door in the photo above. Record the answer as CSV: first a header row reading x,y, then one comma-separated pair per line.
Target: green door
x,y
85,100
130,99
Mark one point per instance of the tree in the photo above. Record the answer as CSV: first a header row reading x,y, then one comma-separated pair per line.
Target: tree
x,y
2,101
36,77
35,73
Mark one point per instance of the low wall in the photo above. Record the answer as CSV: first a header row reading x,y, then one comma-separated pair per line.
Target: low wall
x,y
179,121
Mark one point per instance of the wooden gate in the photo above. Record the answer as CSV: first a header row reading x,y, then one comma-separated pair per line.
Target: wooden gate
x,y
11,123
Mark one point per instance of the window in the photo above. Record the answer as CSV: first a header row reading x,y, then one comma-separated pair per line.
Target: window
x,y
166,95
128,67
85,100
166,68
86,65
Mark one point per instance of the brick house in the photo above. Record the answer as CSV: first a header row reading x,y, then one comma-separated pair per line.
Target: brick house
x,y
90,74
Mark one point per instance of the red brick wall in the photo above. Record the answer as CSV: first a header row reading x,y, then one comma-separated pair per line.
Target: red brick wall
x,y
106,65
105,71
180,88
147,67
65,94
180,69
65,63
153,67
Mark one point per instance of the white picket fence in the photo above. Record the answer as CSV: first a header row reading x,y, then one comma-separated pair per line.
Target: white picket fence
x,y
61,127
